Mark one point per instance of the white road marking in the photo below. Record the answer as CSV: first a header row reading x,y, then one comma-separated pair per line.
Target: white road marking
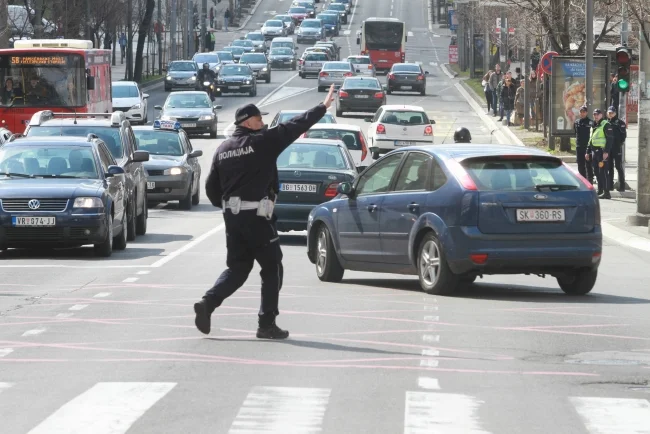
x,y
430,352
431,308
143,272
64,315
429,363
162,261
431,318
78,307
410,34
292,92
74,267
428,383
33,332
347,32
130,280
431,338
433,63
105,408
614,415
4,386
282,410
5,352
102,294
441,413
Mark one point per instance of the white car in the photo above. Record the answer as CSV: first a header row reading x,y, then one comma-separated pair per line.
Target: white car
x,y
273,28
128,98
395,126
351,135
362,65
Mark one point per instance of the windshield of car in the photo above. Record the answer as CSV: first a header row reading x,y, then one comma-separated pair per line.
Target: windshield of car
x,y
287,44
405,117
359,60
358,83
281,52
522,173
351,138
109,135
311,156
253,58
159,142
182,66
192,100
242,43
311,24
329,19
235,70
406,68
283,18
327,119
235,50
318,57
255,36
125,91
297,10
225,55
336,7
337,66
273,23
206,58
306,5
64,161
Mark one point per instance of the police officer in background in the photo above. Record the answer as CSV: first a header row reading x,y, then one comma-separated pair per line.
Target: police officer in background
x,y
600,146
616,158
582,128
462,135
243,181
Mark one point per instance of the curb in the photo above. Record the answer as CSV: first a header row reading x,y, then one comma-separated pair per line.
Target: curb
x,y
250,15
624,237
447,71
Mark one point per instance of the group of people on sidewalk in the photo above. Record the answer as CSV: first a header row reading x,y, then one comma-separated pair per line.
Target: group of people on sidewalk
x,y
505,93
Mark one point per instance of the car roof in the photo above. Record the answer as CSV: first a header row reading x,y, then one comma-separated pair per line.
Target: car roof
x,y
282,39
182,61
299,111
51,140
461,151
358,56
151,128
336,127
123,83
324,142
255,32
71,121
188,92
403,107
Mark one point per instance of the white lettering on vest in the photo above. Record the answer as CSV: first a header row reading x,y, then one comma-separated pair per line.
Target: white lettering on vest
x,y
235,153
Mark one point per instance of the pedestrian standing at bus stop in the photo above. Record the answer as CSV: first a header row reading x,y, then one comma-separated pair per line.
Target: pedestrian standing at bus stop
x,y
243,182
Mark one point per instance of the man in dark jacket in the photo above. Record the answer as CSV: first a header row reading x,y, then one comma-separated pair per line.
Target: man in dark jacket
x,y
582,128
616,157
243,182
600,146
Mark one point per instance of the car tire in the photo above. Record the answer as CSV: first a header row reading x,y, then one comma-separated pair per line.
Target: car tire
x,y
579,283
120,241
196,198
213,133
186,202
268,79
423,91
105,248
389,91
294,67
328,267
339,112
141,220
430,253
321,89
375,155
130,220
301,75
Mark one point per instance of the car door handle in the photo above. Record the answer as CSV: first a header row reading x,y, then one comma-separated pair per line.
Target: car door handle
x,y
372,208
413,207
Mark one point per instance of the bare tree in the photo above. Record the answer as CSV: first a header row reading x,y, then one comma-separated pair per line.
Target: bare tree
x,y
143,31
640,10
5,28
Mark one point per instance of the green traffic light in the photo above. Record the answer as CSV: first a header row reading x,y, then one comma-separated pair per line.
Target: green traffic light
x,y
623,84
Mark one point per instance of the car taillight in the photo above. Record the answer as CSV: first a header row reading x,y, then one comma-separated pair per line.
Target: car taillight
x,y
420,77
323,74
369,66
461,175
403,57
347,74
379,95
391,76
343,94
381,129
364,147
428,130
586,182
363,53
331,190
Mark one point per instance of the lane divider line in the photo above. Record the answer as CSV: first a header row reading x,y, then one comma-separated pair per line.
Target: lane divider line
x,y
78,307
130,280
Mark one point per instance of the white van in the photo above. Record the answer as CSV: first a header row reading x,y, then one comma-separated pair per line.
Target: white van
x,y
284,42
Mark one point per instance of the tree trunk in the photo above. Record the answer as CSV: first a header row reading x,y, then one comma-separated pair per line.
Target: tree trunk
x,y
5,29
143,31
38,19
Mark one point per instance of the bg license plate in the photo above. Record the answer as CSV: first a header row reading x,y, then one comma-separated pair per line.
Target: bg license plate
x,y
361,96
407,87
540,215
299,188
233,87
188,125
33,221
151,185
403,143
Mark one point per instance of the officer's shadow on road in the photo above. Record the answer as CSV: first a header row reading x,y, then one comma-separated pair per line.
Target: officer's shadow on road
x,y
84,254
289,239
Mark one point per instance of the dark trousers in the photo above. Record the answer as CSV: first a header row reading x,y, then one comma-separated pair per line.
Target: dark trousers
x,y
616,162
250,238
585,168
488,99
601,172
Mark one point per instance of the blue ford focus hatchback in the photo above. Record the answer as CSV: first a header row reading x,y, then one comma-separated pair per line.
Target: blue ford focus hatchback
x,y
450,214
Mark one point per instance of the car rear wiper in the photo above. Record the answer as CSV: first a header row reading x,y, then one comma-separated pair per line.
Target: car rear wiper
x,y
58,176
555,187
18,175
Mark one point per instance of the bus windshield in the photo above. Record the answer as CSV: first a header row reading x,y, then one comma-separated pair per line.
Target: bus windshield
x,y
383,35
45,79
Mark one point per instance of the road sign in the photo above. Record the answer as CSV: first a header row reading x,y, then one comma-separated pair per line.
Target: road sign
x,y
453,54
546,62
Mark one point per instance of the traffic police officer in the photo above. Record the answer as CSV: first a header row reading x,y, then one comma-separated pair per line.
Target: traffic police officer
x,y
600,145
462,135
616,158
243,181
582,128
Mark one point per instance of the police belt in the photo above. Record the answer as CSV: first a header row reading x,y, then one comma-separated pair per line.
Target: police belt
x,y
244,205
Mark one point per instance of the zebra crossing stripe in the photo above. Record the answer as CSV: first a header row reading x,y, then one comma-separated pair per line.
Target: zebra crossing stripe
x,y
614,415
282,410
441,413
105,408
4,386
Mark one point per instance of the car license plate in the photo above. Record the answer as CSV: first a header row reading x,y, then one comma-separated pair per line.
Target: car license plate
x,y
403,143
540,215
33,221
407,87
361,96
188,125
233,87
299,188
151,185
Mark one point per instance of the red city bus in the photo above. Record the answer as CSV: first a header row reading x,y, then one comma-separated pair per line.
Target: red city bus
x,y
384,40
62,75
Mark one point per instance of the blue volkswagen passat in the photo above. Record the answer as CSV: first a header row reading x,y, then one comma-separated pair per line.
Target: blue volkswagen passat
x,y
452,213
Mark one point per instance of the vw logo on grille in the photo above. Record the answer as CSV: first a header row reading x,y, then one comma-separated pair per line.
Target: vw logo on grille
x,y
34,204
540,197
404,128
297,173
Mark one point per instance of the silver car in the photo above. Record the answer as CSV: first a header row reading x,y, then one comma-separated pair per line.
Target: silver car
x,y
311,30
259,64
259,42
334,73
312,64
182,74
273,28
362,65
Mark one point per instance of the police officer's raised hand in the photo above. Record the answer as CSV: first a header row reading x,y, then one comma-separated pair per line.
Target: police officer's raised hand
x,y
330,97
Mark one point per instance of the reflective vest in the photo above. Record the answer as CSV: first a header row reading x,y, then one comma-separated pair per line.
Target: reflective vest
x,y
598,138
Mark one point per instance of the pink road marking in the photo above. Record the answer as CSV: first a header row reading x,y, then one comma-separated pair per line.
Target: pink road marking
x,y
377,359
600,335
542,308
577,326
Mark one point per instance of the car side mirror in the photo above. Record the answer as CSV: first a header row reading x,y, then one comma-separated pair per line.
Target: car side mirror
x,y
145,95
195,154
426,72
384,86
114,170
90,83
345,188
140,156
433,122
358,41
157,107
217,107
367,119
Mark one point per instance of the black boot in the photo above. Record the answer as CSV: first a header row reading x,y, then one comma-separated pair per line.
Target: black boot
x,y
203,312
605,195
271,332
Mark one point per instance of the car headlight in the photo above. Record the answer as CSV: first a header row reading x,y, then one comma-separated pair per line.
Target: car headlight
x,y
174,171
265,69
88,202
166,118
137,106
248,82
206,117
193,78
169,77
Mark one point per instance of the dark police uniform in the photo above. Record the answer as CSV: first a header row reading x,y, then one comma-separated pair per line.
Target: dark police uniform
x,y
582,128
601,142
616,157
244,169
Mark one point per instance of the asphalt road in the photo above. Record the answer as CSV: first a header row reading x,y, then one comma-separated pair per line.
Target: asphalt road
x,y
91,345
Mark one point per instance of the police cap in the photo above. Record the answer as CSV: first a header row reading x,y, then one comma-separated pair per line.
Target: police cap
x,y
583,108
246,112
611,109
462,135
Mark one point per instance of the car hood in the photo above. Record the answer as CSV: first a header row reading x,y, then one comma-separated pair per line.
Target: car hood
x,y
162,161
256,65
309,30
187,112
181,74
228,78
47,188
125,102
281,57
272,29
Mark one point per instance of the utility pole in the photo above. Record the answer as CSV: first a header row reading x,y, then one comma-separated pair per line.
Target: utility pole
x,y
503,50
486,43
190,30
472,67
622,104
160,36
88,26
526,81
5,29
589,56
643,173
129,41
38,19
172,31
204,24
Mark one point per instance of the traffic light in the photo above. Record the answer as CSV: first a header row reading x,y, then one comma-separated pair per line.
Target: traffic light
x,y
623,63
